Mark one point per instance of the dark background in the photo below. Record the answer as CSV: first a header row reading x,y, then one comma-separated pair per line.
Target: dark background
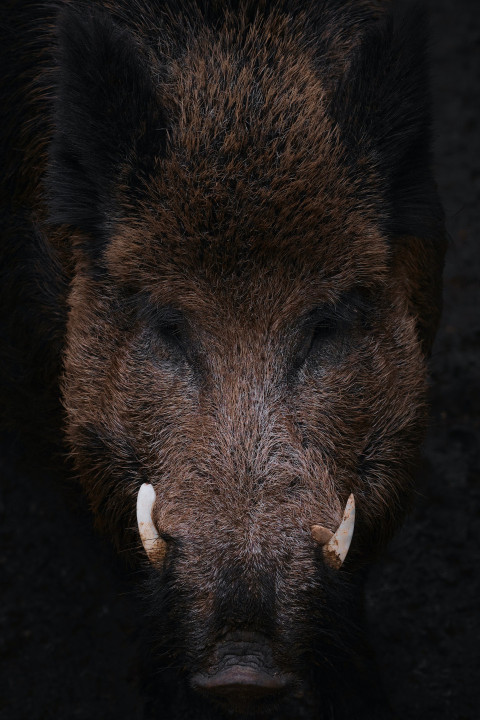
x,y
67,619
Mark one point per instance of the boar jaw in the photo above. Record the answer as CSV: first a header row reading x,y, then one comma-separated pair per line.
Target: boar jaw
x,y
335,547
153,544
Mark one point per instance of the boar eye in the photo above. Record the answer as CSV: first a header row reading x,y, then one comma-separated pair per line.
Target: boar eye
x,y
325,330
167,326
322,336
316,335
172,331
327,327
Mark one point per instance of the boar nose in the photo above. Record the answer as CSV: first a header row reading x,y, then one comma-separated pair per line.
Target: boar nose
x,y
241,686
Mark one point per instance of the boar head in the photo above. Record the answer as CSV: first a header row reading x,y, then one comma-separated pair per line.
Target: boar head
x,y
254,231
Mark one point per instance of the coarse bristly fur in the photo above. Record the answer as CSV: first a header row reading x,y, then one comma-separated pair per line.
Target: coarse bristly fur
x,y
221,259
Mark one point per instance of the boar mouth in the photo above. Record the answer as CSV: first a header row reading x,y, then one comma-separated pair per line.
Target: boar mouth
x,y
242,676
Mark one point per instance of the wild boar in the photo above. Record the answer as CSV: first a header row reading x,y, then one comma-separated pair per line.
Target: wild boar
x,y
221,262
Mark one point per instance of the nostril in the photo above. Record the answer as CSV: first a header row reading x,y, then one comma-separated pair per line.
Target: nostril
x,y
241,684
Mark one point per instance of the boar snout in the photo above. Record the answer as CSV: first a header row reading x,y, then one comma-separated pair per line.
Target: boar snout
x,y
242,674
335,545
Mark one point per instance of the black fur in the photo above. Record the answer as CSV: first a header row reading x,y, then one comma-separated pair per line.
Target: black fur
x,y
383,108
107,111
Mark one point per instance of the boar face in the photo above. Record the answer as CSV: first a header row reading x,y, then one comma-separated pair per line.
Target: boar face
x,y
255,402
243,332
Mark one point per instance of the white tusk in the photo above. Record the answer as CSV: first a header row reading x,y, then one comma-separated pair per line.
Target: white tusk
x,y
154,546
335,547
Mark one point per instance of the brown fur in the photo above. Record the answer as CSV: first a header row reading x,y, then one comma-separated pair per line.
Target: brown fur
x,y
249,220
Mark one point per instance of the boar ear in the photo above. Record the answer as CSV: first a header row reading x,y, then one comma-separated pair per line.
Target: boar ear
x,y
108,124
382,107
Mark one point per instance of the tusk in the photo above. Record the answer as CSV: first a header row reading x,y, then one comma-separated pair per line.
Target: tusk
x,y
154,546
336,546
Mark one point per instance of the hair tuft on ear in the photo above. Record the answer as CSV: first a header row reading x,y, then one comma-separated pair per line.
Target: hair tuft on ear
x,y
107,113
383,109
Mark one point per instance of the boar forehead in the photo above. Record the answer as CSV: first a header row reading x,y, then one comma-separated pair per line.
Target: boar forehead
x,y
255,174
156,258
